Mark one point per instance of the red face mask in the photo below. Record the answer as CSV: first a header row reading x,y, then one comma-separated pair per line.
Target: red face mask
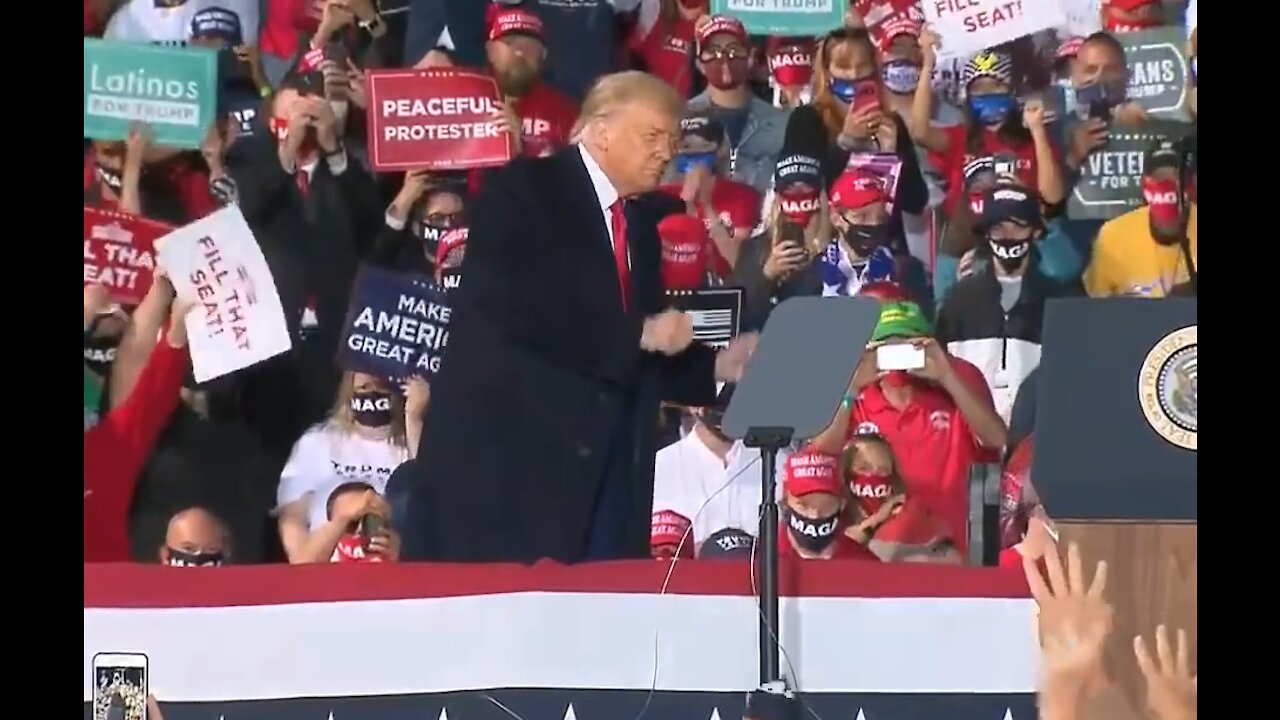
x,y
799,206
871,491
791,66
896,378
1115,23
1162,200
727,74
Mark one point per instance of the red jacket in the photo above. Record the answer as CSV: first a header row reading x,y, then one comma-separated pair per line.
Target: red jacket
x,y
117,448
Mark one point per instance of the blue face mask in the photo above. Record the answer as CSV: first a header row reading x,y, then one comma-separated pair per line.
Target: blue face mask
x,y
688,161
991,109
843,89
901,76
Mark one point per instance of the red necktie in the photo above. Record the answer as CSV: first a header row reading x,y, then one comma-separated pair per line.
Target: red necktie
x,y
303,181
619,222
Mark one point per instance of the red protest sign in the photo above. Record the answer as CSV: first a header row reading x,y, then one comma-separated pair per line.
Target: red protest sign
x,y
435,118
119,253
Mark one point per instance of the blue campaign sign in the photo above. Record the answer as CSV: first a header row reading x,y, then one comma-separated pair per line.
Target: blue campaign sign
x,y
784,17
397,324
173,90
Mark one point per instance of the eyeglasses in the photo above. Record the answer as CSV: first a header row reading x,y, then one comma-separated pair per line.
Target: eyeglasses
x,y
724,52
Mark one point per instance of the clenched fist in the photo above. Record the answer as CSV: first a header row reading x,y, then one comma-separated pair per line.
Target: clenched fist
x,y
669,332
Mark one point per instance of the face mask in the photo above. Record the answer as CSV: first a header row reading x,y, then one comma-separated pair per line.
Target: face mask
x,y
991,109
182,558
847,90
976,202
371,409
792,67
1009,255
799,206
901,76
686,162
1096,92
862,239
1162,201
871,491
100,353
111,178
726,74
812,534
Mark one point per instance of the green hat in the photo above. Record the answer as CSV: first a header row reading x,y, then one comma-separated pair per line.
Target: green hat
x,y
901,319
92,399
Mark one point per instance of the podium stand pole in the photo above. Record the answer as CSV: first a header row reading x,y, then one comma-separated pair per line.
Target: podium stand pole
x,y
769,440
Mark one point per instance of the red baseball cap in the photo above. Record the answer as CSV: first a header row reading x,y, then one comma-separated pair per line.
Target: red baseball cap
x,y
884,291
899,24
686,246
668,527
855,189
1129,5
812,471
515,21
1069,48
723,24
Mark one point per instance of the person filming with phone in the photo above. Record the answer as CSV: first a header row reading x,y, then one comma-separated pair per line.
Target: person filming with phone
x,y
935,411
358,528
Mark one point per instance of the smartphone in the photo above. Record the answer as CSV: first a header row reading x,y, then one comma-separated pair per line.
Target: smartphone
x,y
120,686
899,356
370,525
1100,110
1005,164
865,94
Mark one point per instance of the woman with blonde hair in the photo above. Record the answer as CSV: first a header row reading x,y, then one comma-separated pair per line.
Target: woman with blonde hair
x,y
370,432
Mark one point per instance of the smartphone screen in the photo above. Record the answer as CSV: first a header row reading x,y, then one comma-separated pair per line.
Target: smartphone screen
x,y
370,525
1005,164
120,686
899,356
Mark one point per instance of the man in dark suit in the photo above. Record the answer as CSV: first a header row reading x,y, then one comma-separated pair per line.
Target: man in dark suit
x,y
539,442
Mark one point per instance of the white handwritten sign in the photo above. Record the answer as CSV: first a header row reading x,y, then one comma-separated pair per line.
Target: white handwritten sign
x,y
238,320
970,26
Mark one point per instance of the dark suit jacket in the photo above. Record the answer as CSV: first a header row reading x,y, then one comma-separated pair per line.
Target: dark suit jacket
x,y
542,365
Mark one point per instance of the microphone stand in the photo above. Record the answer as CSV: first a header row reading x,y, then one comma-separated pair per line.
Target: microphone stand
x,y
773,700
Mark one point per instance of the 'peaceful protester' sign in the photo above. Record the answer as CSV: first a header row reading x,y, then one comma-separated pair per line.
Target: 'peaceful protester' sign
x,y
397,325
119,252
1110,181
784,17
441,119
173,90
1157,62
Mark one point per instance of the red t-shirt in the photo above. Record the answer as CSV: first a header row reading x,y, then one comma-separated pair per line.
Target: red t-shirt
x,y
932,443
547,116
665,51
846,548
951,165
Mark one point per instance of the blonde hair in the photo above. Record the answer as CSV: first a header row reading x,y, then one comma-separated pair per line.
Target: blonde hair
x,y
817,235
615,91
342,419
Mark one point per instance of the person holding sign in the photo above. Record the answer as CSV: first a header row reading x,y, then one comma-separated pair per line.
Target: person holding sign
x,y
994,125
539,116
542,411
1150,251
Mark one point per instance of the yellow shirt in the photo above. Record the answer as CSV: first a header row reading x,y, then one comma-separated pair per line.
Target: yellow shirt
x,y
1128,262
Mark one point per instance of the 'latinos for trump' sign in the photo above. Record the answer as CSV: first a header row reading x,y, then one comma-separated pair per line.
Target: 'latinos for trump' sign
x,y
119,252
784,17
173,90
1157,62
1110,181
397,326
970,26
441,119
238,320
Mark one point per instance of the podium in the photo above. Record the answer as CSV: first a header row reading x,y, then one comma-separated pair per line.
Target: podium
x,y
1115,459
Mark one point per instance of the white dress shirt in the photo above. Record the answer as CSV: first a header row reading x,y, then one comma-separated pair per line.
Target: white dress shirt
x,y
606,193
714,494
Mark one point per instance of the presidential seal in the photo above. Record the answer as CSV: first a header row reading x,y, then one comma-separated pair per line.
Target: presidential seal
x,y
1167,387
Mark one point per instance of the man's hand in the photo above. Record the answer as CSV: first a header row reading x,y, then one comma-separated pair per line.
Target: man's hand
x,y
1087,137
369,503
1033,115
322,119
1171,688
732,361
937,366
1129,113
386,544
1075,620
136,143
668,332
505,118
356,88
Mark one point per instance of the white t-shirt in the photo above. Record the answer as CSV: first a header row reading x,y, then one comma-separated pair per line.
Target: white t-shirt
x,y
686,473
326,457
142,21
